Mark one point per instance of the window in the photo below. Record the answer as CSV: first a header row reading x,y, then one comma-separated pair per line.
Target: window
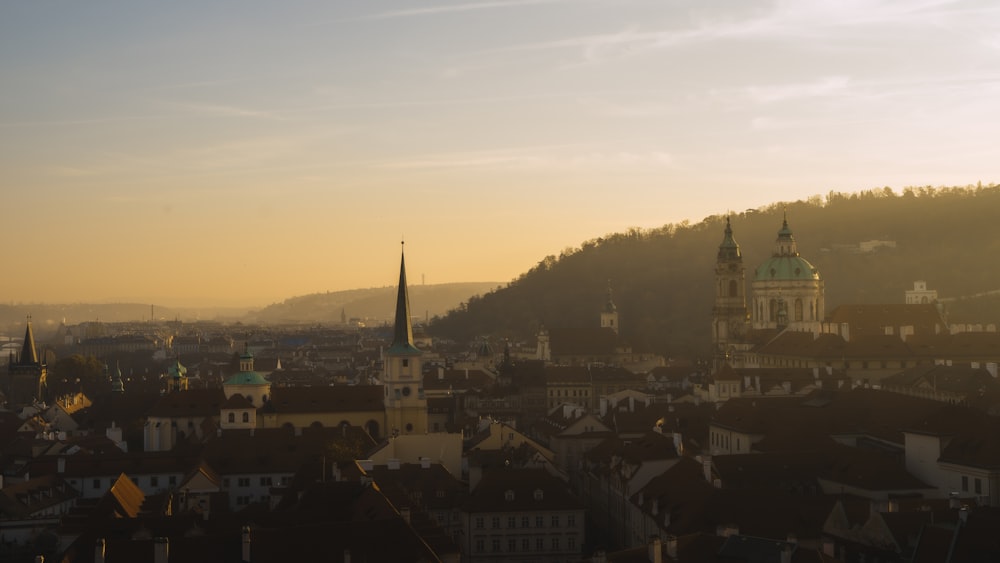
x,y
406,362
555,521
508,495
97,483
265,481
225,482
571,543
525,522
154,481
243,482
172,480
555,544
525,544
965,482
571,520
511,522
979,486
540,544
511,545
495,523
232,417
479,523
539,521
246,417
480,545
496,544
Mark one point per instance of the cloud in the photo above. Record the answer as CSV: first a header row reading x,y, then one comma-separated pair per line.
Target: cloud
x,y
450,9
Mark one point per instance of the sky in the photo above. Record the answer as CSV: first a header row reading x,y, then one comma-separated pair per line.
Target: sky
x,y
241,153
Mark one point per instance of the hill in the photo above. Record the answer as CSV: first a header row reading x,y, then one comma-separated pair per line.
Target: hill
x,y
663,278
373,304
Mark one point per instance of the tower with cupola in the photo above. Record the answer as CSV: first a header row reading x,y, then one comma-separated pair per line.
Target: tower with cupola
x,y
729,313
405,404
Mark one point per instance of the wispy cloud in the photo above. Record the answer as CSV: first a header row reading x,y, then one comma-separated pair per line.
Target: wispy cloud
x,y
553,158
449,9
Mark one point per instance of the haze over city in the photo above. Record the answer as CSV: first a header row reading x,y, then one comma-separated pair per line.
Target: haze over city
x,y
238,154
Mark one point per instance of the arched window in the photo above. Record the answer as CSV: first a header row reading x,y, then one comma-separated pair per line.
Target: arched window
x,y
798,309
232,417
772,310
246,416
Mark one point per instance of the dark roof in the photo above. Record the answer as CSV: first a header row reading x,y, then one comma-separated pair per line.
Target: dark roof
x,y
188,403
869,319
337,398
490,495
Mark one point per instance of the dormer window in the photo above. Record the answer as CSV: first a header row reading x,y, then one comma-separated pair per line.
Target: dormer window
x,y
508,495
538,494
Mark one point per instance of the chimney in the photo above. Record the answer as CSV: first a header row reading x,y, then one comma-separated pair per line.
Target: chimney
x,y
963,515
786,553
672,546
425,463
246,544
161,549
99,551
655,550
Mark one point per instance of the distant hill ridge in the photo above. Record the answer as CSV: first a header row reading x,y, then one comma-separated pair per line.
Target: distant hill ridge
x,y
372,304
662,279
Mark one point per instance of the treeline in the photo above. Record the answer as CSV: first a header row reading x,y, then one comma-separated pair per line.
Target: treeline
x,y
662,278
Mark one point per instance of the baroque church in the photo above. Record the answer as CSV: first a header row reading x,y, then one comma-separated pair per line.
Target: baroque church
x,y
787,293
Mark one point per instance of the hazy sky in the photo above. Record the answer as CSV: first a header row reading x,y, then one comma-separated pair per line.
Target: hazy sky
x,y
244,152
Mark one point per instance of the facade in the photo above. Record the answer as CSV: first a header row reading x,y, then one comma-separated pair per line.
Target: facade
x,y
522,515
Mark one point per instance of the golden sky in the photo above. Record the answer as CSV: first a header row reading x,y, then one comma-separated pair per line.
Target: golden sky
x,y
239,153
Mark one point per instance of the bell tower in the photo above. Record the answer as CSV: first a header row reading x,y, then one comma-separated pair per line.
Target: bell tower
x,y
405,404
729,315
609,315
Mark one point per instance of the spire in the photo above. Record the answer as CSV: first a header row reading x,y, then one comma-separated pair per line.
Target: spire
x,y
29,355
729,249
785,244
610,307
402,339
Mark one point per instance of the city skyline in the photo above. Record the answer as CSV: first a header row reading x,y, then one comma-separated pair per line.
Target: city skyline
x,y
186,154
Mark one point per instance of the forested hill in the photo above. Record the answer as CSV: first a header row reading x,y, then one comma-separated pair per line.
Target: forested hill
x,y
663,278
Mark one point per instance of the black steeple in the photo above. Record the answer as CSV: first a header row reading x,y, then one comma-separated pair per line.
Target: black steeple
x,y
402,339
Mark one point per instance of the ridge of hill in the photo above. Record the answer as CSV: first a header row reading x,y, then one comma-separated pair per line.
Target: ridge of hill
x,y
374,305
869,247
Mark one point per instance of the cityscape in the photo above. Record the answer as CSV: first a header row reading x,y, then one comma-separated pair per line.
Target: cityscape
x,y
473,281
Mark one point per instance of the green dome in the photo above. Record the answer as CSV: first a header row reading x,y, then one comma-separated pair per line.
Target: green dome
x,y
247,378
786,268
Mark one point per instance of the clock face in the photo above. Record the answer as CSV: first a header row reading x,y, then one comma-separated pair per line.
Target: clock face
x,y
406,391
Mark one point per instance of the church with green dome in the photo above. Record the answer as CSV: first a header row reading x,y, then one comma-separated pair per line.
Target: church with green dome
x,y
787,289
786,292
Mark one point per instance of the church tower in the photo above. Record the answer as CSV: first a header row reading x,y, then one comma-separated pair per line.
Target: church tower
x,y
26,373
609,316
405,405
729,315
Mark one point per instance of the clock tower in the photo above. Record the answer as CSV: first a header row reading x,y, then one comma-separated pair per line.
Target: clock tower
x,y
405,404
